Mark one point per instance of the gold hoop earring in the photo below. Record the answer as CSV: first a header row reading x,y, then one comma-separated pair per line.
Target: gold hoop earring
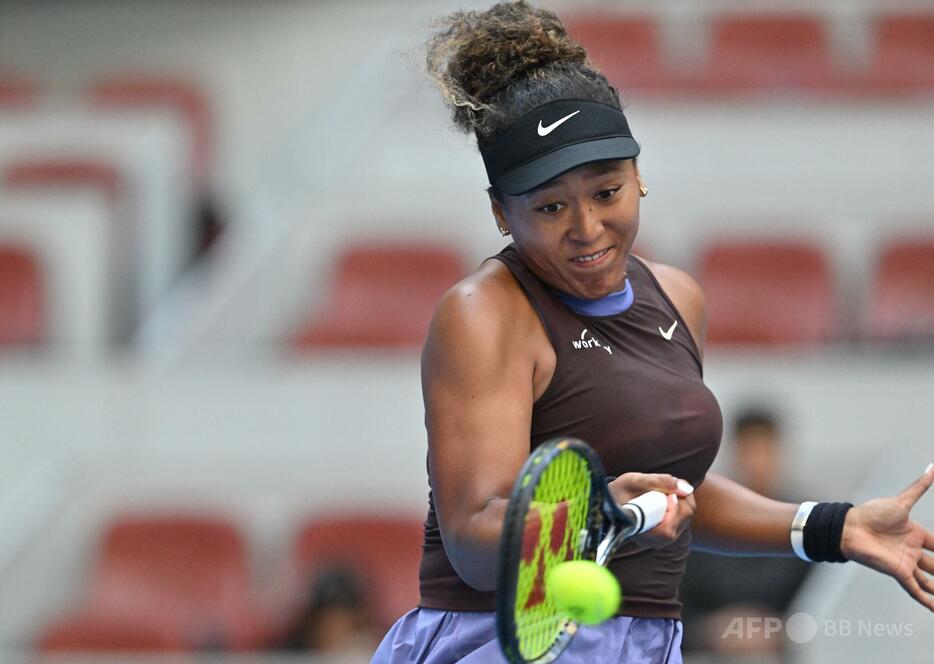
x,y
643,191
503,231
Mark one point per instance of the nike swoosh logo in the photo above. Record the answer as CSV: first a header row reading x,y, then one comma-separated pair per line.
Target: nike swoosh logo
x,y
544,131
671,331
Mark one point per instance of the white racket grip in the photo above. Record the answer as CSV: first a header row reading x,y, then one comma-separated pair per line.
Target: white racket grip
x,y
650,508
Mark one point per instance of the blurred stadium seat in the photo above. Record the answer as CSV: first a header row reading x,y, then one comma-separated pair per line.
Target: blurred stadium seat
x,y
17,93
768,292
91,633
22,298
903,52
184,573
382,296
628,49
55,175
384,551
69,234
143,158
901,303
63,172
149,91
185,98
768,52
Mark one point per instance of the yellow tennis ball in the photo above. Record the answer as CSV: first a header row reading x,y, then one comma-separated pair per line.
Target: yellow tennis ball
x,y
584,590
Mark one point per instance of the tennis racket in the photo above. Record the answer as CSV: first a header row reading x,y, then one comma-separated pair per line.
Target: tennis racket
x,y
560,509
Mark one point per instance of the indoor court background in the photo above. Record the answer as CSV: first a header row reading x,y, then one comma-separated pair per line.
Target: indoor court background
x,y
223,225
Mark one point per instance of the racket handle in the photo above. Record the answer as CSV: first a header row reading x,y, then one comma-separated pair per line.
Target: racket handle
x,y
648,510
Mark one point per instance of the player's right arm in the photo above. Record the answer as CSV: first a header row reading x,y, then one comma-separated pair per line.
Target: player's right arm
x,y
478,370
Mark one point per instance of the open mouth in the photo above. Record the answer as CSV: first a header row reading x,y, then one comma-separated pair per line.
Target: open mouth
x,y
591,258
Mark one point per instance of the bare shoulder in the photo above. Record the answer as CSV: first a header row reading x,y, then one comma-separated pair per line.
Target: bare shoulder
x,y
687,296
483,319
678,284
489,301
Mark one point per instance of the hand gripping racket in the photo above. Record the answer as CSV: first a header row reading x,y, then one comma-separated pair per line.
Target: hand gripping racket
x,y
560,509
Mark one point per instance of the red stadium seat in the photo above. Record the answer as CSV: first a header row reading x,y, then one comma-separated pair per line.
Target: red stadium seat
x,y
768,293
42,172
187,100
768,52
903,52
181,572
91,633
146,91
17,93
627,49
68,173
383,296
384,551
22,301
901,304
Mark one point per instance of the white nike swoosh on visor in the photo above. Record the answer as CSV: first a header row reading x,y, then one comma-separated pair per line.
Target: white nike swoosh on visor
x,y
544,131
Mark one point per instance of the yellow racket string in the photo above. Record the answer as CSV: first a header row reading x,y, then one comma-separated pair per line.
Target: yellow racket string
x,y
552,534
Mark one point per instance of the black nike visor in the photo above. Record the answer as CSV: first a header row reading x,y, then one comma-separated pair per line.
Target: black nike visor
x,y
555,138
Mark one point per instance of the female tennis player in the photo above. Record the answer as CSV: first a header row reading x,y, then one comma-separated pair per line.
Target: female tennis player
x,y
566,333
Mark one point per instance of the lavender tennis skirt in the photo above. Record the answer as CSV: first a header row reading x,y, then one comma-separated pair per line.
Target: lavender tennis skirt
x,y
429,636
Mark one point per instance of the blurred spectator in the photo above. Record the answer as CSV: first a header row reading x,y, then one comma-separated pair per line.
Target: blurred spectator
x,y
210,224
335,620
757,453
719,592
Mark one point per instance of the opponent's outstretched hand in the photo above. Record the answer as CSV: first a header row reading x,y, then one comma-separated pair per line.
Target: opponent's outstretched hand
x,y
880,534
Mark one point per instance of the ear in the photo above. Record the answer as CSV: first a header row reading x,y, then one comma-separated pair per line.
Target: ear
x,y
499,215
635,168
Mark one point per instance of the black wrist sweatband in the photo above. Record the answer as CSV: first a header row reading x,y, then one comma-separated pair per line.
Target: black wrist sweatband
x,y
823,532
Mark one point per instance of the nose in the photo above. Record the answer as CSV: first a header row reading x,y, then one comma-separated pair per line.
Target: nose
x,y
587,226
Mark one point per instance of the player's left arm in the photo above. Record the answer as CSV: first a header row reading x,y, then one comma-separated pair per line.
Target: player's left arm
x,y
732,519
879,534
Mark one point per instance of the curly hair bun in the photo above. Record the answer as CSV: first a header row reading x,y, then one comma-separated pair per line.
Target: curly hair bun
x,y
474,56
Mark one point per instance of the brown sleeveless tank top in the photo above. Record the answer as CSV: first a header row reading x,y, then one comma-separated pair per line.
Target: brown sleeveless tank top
x,y
638,398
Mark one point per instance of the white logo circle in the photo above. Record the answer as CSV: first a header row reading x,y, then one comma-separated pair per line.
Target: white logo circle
x,y
801,627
